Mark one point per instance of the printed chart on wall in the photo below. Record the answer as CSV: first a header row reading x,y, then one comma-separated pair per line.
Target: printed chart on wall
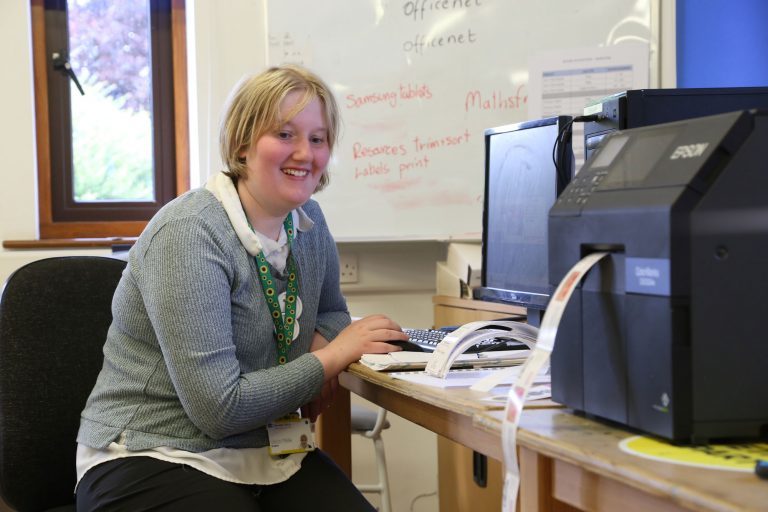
x,y
568,80
417,83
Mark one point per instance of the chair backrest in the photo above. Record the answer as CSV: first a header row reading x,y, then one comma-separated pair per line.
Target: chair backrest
x,y
54,317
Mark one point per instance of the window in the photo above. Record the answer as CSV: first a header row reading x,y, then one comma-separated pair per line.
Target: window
x,y
110,94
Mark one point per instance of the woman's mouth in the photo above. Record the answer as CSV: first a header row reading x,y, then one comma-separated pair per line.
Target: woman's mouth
x,y
299,173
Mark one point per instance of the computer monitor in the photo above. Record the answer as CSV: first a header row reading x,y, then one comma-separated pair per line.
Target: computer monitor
x,y
522,166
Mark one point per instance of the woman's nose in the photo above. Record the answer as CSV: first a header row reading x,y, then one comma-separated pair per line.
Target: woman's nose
x,y
302,150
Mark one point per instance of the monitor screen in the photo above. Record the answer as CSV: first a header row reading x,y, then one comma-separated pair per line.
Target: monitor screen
x,y
521,185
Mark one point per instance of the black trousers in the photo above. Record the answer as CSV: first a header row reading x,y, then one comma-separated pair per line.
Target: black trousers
x,y
143,483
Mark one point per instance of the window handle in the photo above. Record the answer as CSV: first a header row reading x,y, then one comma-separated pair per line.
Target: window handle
x,y
61,63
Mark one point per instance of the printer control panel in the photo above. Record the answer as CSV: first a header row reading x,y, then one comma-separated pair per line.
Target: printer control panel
x,y
593,173
582,186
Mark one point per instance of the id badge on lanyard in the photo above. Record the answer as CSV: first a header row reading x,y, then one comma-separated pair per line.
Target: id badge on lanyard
x,y
291,433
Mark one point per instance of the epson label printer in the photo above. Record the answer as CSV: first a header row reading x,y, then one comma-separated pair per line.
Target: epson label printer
x,y
669,334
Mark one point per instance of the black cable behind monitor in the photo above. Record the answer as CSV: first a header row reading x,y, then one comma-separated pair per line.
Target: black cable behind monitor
x,y
561,146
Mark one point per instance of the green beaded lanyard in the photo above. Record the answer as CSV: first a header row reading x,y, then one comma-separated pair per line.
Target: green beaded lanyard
x,y
284,324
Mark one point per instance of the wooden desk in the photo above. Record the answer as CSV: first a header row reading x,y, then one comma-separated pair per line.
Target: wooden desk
x,y
565,458
566,462
448,413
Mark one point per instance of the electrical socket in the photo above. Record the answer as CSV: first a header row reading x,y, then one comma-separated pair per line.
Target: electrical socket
x,y
348,268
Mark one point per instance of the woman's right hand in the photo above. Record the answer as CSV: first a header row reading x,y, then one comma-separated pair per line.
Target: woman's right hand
x,y
368,335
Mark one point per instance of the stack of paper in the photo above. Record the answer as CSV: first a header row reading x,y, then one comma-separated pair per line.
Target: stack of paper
x,y
466,378
418,360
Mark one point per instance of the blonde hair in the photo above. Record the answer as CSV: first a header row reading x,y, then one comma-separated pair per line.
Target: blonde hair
x,y
254,109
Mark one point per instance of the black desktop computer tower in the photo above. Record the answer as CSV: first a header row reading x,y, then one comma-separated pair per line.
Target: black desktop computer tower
x,y
645,107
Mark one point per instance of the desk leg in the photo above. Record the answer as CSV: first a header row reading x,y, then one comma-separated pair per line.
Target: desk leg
x,y
536,493
537,484
333,431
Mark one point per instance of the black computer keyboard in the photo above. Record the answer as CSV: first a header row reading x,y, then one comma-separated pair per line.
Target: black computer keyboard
x,y
426,340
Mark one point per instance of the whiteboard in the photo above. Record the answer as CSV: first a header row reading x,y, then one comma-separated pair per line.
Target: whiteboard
x,y
417,84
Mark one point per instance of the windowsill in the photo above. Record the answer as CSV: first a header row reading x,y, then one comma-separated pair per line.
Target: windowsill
x,y
68,243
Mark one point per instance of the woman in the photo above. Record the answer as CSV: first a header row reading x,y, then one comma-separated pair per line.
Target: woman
x,y
221,328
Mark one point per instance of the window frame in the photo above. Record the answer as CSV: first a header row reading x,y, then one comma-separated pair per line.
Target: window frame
x,y
101,219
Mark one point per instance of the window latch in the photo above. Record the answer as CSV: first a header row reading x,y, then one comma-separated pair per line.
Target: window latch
x,y
61,63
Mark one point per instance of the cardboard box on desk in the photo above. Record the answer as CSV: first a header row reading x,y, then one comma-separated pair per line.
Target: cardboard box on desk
x,y
449,284
466,260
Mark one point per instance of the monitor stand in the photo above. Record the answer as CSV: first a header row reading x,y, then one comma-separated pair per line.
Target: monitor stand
x,y
534,317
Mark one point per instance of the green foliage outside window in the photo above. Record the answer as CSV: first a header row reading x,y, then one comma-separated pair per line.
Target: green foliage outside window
x,y
112,148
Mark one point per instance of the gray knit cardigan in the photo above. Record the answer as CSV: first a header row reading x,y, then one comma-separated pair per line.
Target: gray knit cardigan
x,y
190,360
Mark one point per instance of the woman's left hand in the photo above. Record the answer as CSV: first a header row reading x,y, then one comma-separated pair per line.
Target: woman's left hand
x,y
322,402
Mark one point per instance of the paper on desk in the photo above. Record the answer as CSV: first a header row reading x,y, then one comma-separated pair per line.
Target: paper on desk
x,y
537,392
461,377
487,384
405,360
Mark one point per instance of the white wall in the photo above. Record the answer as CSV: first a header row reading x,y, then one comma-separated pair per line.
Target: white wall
x,y
17,157
668,43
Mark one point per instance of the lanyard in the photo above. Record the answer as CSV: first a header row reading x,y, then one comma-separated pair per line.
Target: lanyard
x,y
284,324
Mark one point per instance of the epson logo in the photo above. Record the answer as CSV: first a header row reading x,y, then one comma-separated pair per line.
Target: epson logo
x,y
689,150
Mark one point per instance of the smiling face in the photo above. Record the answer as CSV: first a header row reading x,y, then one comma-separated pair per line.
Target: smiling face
x,y
284,166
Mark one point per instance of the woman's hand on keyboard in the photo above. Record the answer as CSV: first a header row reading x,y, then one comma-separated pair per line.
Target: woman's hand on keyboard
x,y
368,335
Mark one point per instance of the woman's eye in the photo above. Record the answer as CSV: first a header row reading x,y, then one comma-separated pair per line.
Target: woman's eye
x,y
317,140
284,135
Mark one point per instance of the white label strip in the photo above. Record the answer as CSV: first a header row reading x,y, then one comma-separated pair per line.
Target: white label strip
x,y
455,343
533,365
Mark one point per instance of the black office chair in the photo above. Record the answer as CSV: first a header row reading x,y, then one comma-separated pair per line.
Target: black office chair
x,y
54,316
